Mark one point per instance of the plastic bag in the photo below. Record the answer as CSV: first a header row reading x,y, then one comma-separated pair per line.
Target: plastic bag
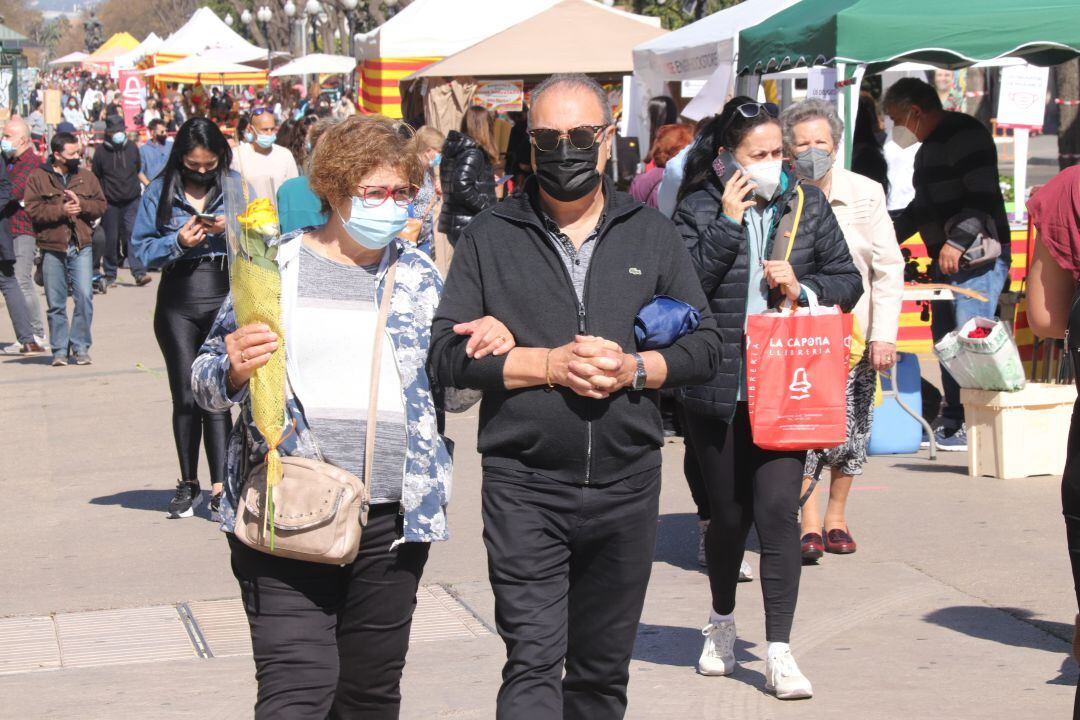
x,y
982,363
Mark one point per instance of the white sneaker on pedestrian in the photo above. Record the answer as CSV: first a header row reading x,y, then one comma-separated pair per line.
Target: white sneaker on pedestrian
x,y
718,655
703,527
783,677
746,574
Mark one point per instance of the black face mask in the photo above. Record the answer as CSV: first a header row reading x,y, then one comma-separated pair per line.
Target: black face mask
x,y
198,178
72,165
566,173
161,138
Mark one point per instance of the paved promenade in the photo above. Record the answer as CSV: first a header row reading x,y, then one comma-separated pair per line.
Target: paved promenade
x,y
959,603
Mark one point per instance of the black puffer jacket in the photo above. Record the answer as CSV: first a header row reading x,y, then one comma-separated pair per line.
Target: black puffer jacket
x,y
718,248
468,183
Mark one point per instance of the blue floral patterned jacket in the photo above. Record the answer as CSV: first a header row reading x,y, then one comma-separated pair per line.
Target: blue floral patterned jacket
x,y
426,483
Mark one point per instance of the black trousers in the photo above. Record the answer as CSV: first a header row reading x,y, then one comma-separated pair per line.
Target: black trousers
x,y
118,222
330,641
691,469
188,300
748,485
1070,506
569,566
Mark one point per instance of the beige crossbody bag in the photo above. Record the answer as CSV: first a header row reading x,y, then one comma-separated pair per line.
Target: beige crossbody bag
x,y
319,509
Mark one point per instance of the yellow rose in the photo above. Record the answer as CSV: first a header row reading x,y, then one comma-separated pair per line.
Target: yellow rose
x,y
260,217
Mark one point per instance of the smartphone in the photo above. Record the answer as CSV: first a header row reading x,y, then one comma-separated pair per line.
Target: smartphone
x,y
209,217
725,166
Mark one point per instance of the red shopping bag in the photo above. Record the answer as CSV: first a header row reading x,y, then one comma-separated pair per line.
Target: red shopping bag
x,y
796,378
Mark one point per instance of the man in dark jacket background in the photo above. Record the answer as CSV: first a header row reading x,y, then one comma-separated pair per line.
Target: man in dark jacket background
x,y
570,429
956,177
117,166
63,199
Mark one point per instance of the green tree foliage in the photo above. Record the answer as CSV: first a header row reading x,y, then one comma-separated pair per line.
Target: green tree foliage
x,y
674,14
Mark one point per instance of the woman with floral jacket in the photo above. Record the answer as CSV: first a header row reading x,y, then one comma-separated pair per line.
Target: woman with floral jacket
x,y
327,639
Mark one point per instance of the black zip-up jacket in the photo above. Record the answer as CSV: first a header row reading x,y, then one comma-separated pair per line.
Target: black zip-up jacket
x,y
718,248
118,171
506,266
468,183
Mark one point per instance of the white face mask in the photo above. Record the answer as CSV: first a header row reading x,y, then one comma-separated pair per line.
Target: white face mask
x,y
766,175
903,137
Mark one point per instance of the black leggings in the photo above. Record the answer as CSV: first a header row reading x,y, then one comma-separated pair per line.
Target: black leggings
x,y
188,300
747,485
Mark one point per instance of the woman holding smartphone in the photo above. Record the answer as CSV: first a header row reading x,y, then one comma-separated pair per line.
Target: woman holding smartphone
x,y
180,228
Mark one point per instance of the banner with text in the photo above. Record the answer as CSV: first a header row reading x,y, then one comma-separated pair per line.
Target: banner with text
x,y
133,91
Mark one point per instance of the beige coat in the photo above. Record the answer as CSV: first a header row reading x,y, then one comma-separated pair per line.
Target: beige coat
x,y
859,205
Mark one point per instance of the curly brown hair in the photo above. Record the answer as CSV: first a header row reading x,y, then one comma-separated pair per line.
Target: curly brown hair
x,y
352,150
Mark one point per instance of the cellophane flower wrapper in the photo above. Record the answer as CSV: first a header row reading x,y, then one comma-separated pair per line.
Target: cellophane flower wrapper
x,y
254,235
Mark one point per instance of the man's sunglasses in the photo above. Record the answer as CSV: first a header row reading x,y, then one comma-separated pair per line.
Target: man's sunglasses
x,y
376,195
582,137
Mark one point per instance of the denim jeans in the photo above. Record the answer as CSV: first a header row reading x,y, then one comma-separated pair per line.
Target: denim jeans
x,y
25,252
56,267
119,221
16,304
948,315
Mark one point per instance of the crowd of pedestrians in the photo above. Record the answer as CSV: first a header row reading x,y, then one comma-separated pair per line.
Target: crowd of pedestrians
x,y
746,212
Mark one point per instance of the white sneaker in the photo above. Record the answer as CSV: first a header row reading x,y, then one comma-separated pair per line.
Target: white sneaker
x,y
746,574
718,655
703,527
783,677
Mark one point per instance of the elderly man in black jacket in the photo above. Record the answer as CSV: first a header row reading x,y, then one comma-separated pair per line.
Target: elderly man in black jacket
x,y
570,431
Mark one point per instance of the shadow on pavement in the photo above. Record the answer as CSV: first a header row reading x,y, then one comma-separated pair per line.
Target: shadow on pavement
x,y
677,541
680,646
985,623
155,500
939,466
41,359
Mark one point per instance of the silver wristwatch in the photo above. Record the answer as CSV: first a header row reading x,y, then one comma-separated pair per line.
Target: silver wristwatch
x,y
640,377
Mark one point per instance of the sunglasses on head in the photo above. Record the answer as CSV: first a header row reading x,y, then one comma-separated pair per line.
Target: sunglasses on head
x,y
259,111
753,109
582,137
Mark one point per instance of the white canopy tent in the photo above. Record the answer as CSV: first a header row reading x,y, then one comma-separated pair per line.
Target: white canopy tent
x,y
438,28
71,58
205,30
317,64
130,59
695,52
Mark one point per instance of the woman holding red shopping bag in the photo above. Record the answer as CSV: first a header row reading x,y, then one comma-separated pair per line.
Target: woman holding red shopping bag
x,y
758,240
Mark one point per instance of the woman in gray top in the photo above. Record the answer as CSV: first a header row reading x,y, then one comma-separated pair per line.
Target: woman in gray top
x,y
331,640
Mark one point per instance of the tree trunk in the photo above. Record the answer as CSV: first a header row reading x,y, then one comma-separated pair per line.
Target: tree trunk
x,y
1068,88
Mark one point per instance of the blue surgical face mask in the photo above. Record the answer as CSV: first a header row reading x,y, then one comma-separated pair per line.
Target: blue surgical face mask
x,y
118,138
7,147
249,137
375,227
266,141
437,160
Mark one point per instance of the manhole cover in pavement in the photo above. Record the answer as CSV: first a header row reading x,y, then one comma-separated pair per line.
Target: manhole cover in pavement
x,y
28,643
207,628
113,637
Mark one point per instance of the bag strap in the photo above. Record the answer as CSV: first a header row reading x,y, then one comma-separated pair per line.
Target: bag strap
x,y
789,225
376,367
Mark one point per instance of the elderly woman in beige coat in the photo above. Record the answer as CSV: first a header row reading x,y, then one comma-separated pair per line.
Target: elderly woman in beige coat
x,y
812,133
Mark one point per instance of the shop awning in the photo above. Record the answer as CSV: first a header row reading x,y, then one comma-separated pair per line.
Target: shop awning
x,y
881,33
208,71
317,64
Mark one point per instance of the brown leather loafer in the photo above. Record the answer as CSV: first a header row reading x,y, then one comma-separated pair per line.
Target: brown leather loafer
x,y
812,548
839,542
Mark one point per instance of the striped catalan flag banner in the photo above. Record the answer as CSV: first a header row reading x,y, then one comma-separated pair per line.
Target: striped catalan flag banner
x,y
915,336
379,91
166,58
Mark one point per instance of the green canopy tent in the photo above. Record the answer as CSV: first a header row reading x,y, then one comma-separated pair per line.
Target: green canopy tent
x,y
881,33
856,36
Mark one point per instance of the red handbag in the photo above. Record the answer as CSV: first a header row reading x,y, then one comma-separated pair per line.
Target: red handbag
x,y
796,377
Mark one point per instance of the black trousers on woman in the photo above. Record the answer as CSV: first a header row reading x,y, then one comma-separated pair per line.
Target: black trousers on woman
x,y
1070,506
330,641
189,297
747,485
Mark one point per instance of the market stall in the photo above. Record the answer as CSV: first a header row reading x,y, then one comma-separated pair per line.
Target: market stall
x,y
197,69
572,36
74,58
101,60
696,52
317,64
424,32
205,30
132,58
